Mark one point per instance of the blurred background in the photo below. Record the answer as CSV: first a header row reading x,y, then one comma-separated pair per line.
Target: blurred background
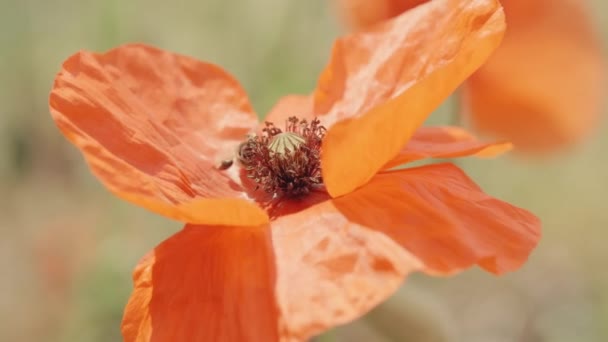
x,y
67,247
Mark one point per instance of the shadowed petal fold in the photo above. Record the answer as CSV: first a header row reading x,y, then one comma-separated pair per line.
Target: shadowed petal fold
x,y
153,126
331,271
544,87
445,142
444,219
205,284
389,79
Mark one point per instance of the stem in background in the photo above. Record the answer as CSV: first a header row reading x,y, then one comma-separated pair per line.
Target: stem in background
x,y
411,315
456,118
328,336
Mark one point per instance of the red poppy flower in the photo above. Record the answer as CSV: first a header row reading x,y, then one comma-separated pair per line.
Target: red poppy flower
x,y
543,88
337,232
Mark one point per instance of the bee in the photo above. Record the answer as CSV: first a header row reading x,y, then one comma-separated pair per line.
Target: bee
x,y
243,154
244,151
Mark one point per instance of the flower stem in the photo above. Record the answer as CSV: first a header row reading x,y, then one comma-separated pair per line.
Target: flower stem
x,y
455,118
328,336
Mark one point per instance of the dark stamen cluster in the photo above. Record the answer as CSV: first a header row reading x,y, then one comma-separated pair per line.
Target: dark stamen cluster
x,y
285,163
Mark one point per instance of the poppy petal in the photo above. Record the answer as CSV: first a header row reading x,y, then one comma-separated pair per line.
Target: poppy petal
x,y
544,86
153,127
288,106
444,219
205,284
364,13
331,271
389,79
445,142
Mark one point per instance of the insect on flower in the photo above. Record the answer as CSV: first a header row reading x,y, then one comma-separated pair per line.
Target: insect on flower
x,y
284,163
333,228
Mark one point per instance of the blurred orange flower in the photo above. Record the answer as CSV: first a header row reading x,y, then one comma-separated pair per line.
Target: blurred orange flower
x,y
542,89
155,127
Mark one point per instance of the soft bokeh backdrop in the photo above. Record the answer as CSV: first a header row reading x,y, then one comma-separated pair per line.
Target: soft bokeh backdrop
x,y
67,246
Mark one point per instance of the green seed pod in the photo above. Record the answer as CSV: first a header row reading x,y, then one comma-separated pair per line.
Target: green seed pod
x,y
287,141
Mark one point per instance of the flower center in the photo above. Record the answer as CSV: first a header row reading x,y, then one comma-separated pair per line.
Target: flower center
x,y
284,163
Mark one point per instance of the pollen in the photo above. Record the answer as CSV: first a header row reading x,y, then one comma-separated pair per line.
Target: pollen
x,y
284,163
